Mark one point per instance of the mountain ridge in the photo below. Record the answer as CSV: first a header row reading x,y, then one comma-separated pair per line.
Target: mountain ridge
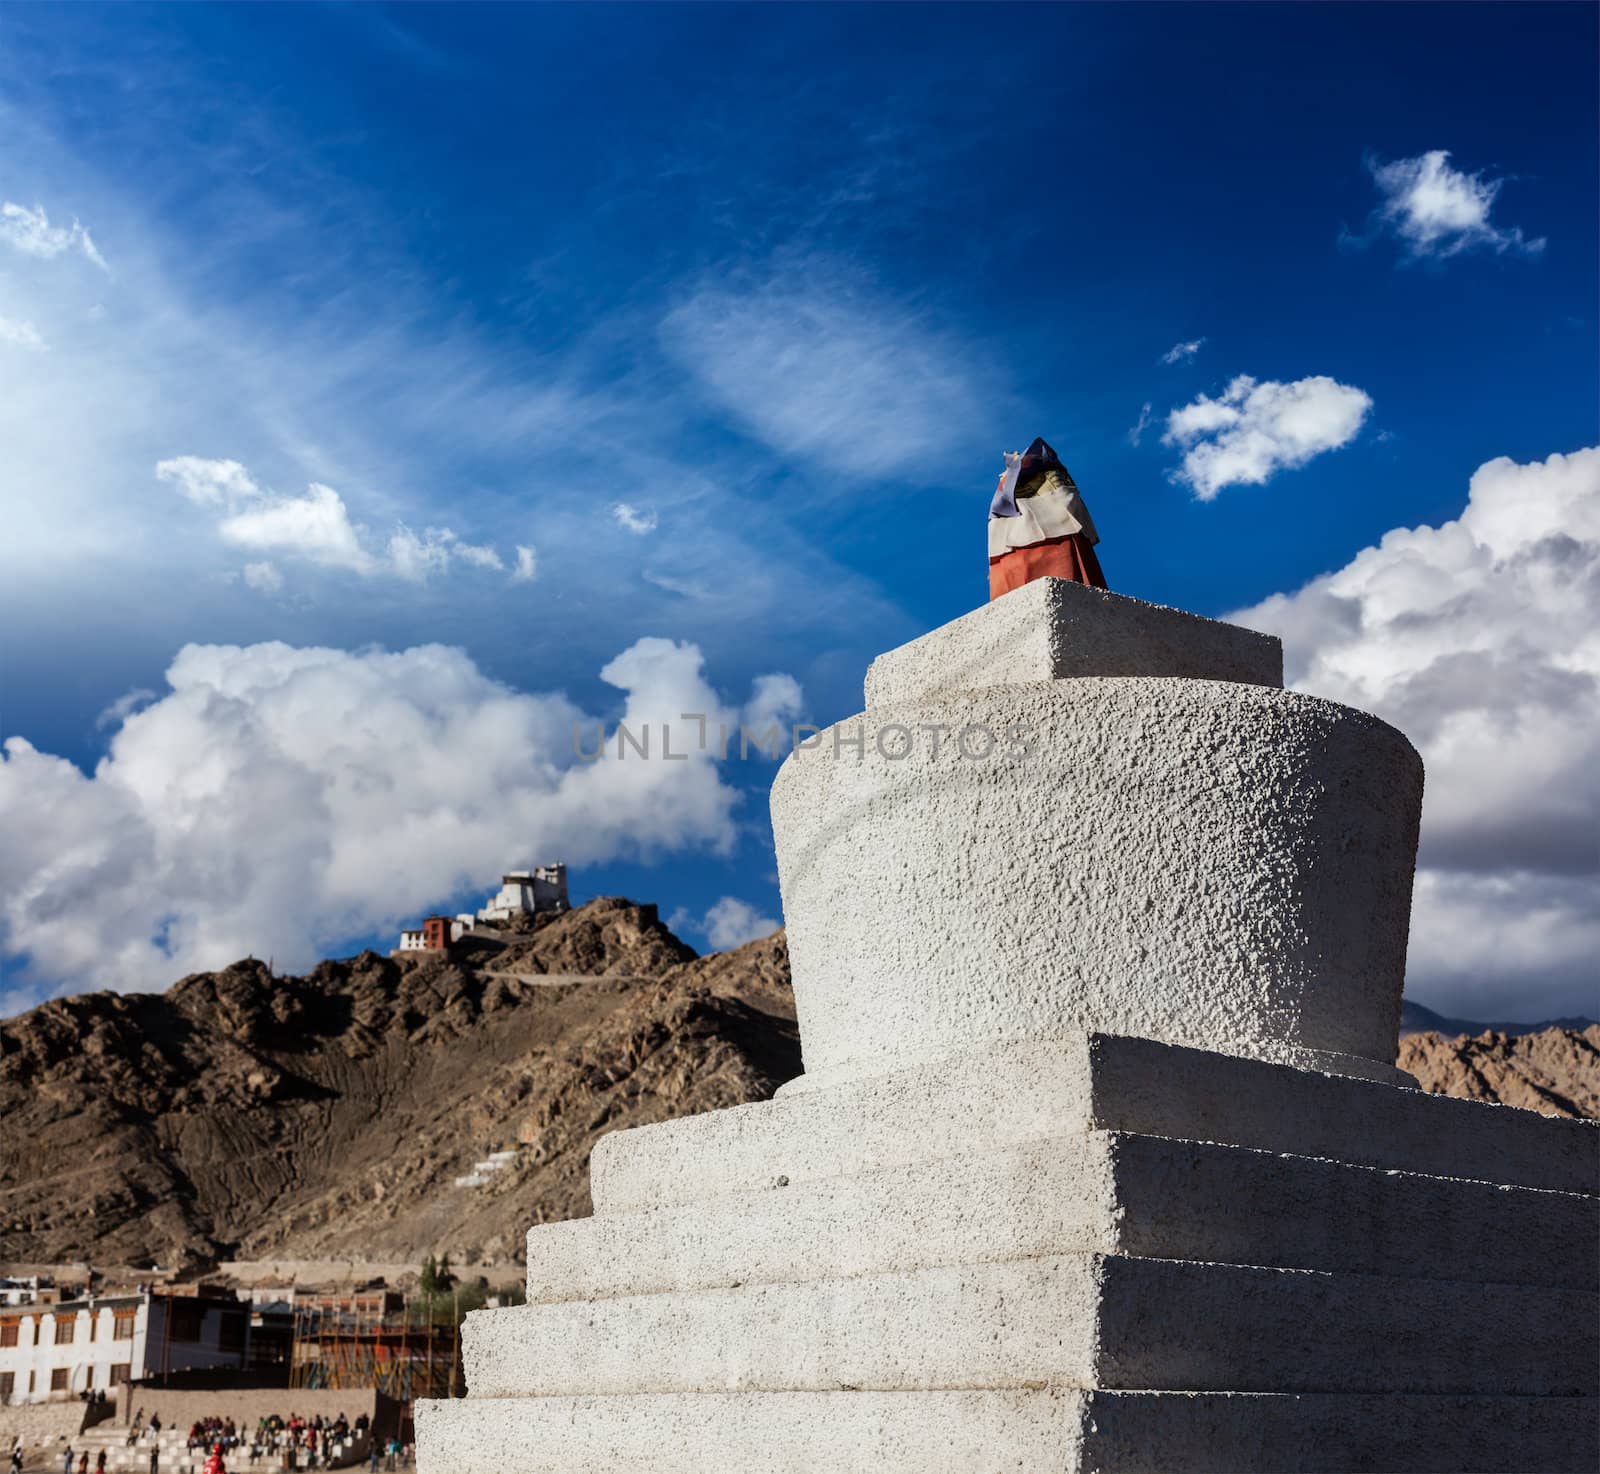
x,y
242,1115
1416,1019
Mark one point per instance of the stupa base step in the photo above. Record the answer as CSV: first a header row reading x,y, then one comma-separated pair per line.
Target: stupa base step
x,y
1085,1320
1005,1097
1037,1431
1099,1253
1155,1197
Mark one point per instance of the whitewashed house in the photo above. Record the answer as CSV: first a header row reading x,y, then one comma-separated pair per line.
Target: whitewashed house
x,y
55,1352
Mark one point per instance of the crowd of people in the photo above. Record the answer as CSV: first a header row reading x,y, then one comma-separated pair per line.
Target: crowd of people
x,y
208,1431
292,1442
301,1443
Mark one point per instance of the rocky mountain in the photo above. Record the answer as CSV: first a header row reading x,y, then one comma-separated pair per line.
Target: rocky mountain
x,y
1415,1019
240,1115
1556,1071
246,1116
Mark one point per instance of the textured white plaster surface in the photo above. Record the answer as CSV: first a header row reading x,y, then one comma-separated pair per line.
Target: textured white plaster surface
x,y
1143,1195
1004,1097
1042,1431
1052,629
1210,864
773,1433
1081,1320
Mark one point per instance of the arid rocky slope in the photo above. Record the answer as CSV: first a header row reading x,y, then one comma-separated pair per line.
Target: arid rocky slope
x,y
244,1116
1556,1071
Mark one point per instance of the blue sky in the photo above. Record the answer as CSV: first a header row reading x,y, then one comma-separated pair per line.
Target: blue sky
x,y
724,315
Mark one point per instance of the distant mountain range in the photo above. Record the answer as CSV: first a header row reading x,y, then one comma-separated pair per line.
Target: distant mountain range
x,y
1415,1019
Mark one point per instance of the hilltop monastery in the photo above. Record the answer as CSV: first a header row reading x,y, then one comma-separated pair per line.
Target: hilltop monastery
x,y
522,893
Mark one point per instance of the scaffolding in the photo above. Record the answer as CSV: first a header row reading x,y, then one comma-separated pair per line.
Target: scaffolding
x,y
360,1341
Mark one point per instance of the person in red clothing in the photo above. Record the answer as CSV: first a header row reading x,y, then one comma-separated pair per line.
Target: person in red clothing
x,y
1038,525
214,1464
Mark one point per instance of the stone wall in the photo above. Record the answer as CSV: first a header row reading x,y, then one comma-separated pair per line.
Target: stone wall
x,y
39,1423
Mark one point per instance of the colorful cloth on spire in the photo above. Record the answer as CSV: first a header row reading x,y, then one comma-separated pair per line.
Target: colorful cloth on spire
x,y
1039,526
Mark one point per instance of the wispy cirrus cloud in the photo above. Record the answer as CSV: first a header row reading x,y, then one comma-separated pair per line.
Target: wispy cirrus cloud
x,y
1255,429
1180,351
637,520
413,418
817,364
1436,210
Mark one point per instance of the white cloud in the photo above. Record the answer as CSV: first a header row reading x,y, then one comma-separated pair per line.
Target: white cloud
x,y
774,700
527,568
20,334
417,558
1480,640
1136,434
278,800
1437,210
263,577
315,527
1180,351
476,554
817,365
30,232
209,483
638,520
731,922
1254,430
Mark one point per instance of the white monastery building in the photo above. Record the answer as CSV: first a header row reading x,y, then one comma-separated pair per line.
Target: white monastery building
x,y
54,1352
525,892
541,890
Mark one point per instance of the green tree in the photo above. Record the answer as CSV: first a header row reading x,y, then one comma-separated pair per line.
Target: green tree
x,y
443,1280
430,1277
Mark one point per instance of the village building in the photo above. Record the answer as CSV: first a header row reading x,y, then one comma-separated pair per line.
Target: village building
x,y
434,935
27,1290
59,1351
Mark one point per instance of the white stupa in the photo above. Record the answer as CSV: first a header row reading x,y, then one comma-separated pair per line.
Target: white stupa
x,y
1100,1160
